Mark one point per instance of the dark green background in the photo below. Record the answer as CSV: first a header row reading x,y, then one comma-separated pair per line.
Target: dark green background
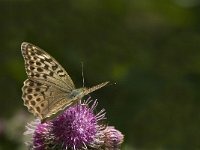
x,y
150,48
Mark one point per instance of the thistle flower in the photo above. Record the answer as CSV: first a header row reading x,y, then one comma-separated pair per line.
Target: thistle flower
x,y
113,138
42,137
76,128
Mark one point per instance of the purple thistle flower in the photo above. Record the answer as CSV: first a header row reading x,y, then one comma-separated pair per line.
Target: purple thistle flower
x,y
42,137
77,128
112,138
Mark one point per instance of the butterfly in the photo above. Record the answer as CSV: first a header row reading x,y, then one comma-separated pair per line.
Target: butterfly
x,y
49,90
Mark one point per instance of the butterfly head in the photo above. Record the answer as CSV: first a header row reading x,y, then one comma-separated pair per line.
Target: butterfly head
x,y
78,93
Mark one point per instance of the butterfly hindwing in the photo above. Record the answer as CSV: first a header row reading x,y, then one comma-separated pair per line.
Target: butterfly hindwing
x,y
42,100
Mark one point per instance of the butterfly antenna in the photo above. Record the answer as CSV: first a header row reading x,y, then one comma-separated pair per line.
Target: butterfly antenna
x,y
83,74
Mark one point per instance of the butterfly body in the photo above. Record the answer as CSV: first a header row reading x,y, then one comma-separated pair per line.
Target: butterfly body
x,y
49,90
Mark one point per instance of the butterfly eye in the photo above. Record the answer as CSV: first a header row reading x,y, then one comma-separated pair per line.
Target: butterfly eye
x,y
72,95
76,93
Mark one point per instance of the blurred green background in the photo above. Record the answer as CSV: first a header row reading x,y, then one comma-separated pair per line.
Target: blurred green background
x,y
150,48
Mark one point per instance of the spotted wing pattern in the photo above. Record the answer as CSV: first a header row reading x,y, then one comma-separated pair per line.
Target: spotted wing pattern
x,y
48,84
40,98
43,68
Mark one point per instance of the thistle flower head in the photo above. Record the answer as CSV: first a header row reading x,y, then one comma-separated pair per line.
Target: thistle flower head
x,y
113,138
77,128
41,136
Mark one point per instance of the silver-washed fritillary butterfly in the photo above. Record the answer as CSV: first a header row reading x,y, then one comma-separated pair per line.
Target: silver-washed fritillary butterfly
x,y
49,90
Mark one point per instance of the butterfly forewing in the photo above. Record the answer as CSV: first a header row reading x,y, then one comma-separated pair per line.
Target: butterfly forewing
x,y
43,68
